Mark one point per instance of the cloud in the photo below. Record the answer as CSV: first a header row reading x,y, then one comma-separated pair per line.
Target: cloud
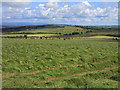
x,y
41,5
16,3
86,3
52,5
52,12
54,0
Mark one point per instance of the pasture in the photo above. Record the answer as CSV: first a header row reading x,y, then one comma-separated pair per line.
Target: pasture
x,y
102,37
52,30
74,63
28,35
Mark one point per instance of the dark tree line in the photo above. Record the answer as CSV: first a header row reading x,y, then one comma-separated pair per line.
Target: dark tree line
x,y
32,27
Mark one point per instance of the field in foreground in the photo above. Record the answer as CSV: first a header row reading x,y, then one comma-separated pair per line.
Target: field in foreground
x,y
35,63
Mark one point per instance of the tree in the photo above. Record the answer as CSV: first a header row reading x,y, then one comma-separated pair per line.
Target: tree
x,y
25,36
74,33
81,32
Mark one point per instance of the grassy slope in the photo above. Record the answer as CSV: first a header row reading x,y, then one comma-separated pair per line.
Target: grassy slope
x,y
66,29
59,59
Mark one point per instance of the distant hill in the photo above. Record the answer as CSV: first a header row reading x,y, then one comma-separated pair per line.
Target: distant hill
x,y
14,28
30,27
108,26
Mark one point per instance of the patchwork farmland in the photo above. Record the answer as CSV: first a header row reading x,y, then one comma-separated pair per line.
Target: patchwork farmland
x,y
60,56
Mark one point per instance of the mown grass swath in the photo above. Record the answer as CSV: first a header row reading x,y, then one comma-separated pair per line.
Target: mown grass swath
x,y
81,61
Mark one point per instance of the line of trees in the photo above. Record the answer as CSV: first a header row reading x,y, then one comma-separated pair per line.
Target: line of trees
x,y
32,33
28,28
77,33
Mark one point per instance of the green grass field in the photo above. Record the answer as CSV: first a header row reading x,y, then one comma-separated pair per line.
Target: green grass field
x,y
64,30
29,35
77,63
102,37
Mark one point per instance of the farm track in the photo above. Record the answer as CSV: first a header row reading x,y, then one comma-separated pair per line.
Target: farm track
x,y
31,73
84,73
63,77
11,75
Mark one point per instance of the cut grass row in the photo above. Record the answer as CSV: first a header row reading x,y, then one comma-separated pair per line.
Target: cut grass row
x,y
78,80
57,68
64,57
51,55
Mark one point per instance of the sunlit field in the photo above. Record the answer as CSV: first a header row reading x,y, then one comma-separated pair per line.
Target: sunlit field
x,y
102,37
60,44
74,63
39,35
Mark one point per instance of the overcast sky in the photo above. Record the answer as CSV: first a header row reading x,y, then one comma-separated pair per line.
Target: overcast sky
x,y
76,13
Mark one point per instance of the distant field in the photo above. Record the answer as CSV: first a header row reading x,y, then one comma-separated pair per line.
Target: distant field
x,y
101,37
65,30
77,63
40,35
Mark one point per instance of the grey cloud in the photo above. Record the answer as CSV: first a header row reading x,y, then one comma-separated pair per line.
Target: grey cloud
x,y
15,4
101,16
78,13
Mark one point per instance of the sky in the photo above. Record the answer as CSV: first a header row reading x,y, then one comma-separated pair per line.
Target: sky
x,y
72,13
